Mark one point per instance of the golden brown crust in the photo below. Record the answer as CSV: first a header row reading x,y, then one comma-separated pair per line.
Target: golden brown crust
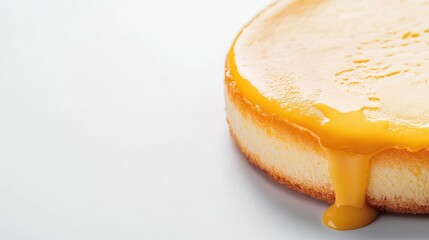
x,y
413,161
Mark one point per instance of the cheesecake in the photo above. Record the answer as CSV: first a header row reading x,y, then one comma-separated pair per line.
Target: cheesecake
x,y
331,98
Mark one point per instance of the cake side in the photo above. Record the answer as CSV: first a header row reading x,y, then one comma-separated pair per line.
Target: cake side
x,y
398,180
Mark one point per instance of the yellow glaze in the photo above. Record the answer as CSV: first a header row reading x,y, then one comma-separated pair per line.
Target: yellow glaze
x,y
353,73
349,173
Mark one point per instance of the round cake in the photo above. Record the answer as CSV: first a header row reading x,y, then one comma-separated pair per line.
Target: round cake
x,y
331,99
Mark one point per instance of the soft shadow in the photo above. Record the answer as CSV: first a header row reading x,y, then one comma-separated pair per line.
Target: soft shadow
x,y
308,211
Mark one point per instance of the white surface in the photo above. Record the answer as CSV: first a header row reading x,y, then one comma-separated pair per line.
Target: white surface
x,y
112,127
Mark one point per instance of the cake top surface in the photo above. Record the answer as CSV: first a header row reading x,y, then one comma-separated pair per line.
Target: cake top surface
x,y
357,69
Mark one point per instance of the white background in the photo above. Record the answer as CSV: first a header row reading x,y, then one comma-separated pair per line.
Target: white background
x,y
112,127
